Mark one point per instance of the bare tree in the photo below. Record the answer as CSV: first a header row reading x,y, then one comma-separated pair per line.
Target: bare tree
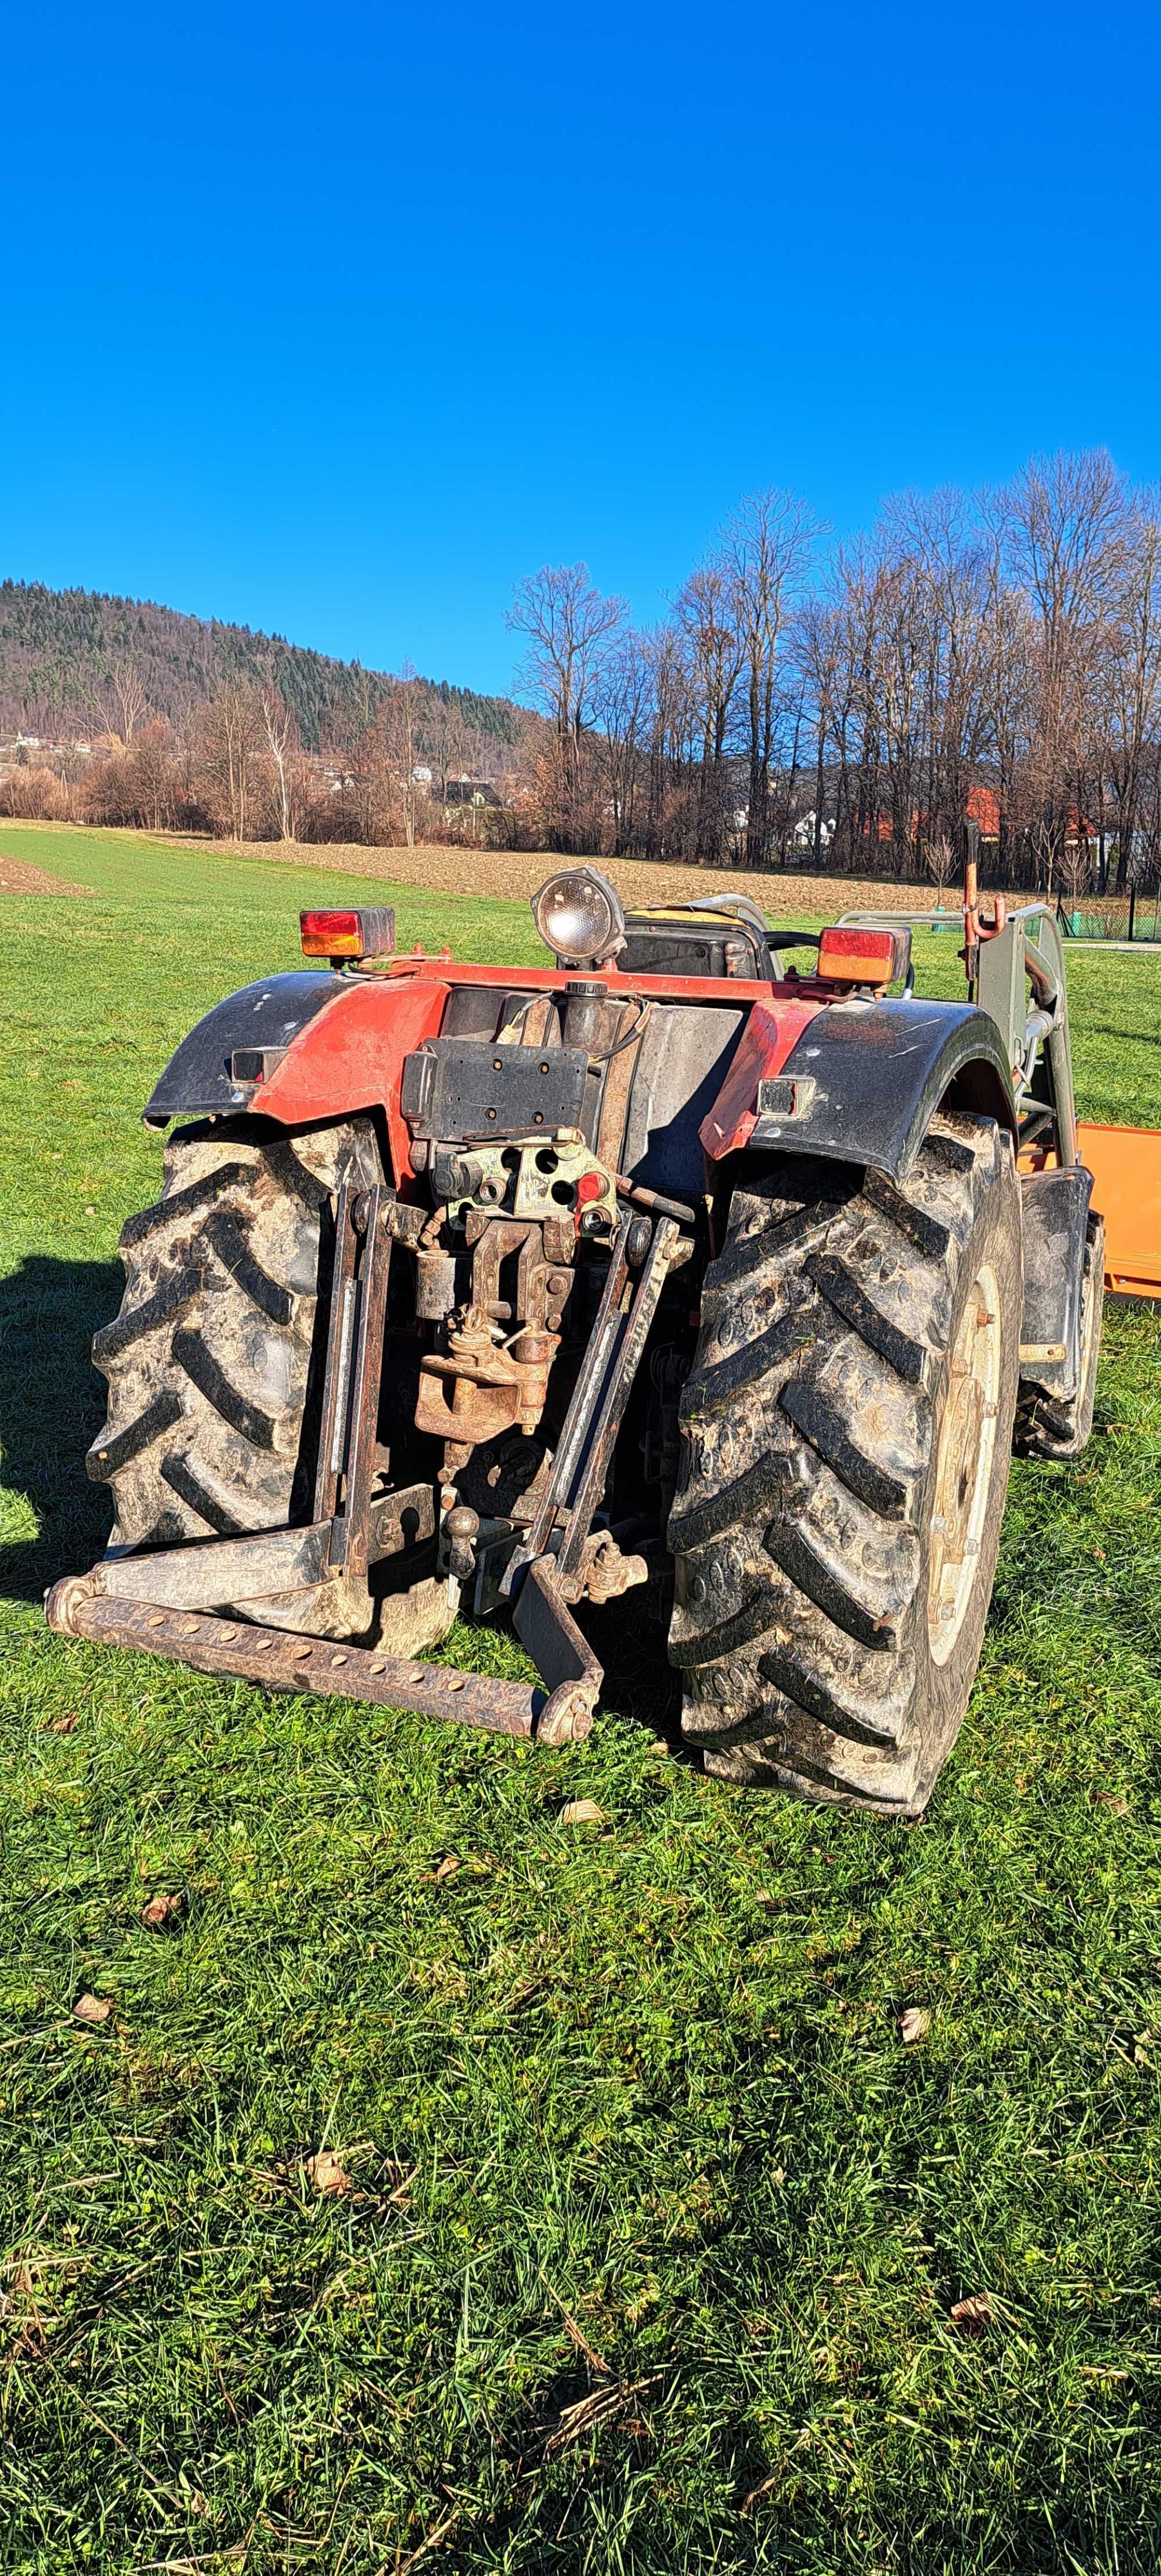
x,y
1129,678
766,549
939,859
705,615
229,767
120,703
1066,521
1010,644
399,724
624,709
281,743
569,626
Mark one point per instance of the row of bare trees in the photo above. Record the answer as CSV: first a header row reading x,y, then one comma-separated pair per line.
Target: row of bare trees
x,y
236,767
997,654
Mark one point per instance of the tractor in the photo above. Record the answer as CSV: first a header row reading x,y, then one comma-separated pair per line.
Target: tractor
x,y
708,1262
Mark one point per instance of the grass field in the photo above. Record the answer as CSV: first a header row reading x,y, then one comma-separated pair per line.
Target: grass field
x,y
651,2225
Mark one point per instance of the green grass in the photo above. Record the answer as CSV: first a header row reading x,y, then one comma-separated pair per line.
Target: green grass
x,y
635,2086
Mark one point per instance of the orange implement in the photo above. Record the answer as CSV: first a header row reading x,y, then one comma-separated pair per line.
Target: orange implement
x,y
1125,1163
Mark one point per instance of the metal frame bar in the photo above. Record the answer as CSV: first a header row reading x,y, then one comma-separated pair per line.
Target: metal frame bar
x,y
351,1513
281,1660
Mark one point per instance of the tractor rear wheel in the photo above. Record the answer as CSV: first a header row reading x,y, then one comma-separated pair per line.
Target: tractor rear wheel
x,y
847,1435
212,1366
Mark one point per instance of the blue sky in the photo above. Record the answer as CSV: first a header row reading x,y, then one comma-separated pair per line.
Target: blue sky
x,y
335,320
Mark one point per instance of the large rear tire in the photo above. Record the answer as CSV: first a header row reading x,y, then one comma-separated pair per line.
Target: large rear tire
x,y
848,1428
212,1363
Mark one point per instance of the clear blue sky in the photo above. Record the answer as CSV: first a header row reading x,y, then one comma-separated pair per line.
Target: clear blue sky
x,y
335,319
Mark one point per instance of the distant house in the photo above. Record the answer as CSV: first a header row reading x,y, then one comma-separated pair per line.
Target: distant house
x,y
470,791
804,831
983,807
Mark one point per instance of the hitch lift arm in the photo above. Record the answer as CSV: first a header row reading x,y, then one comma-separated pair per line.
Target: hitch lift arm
x,y
170,1602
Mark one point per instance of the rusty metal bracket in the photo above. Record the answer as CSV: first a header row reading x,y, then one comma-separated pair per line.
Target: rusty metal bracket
x,y
563,1658
354,1364
281,1660
539,1579
587,1483
576,1482
220,1573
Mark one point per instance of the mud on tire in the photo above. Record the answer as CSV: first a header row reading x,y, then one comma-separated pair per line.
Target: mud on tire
x,y
847,1434
213,1362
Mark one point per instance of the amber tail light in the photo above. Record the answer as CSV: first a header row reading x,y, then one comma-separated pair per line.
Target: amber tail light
x,y
349,934
863,956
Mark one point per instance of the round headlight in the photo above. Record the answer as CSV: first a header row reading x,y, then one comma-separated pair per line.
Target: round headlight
x,y
578,914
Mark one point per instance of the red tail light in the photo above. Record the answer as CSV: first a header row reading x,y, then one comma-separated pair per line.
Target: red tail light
x,y
863,956
349,934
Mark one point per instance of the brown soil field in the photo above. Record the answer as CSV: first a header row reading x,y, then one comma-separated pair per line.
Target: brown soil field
x,y
460,869
16,877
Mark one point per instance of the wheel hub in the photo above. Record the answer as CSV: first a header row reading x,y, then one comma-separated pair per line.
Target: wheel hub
x,y
963,1474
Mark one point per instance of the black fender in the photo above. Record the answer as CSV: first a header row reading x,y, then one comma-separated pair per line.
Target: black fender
x,y
198,1081
863,1081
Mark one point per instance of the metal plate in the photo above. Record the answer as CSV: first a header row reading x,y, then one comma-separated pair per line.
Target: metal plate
x,y
1055,1213
461,1089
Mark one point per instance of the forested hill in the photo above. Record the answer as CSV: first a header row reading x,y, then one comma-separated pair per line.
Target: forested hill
x,y
60,650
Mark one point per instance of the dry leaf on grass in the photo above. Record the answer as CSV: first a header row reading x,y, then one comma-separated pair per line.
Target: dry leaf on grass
x,y
446,1868
92,2008
1111,1798
582,1811
326,2172
600,2407
971,2315
160,1910
754,2495
65,1725
914,2025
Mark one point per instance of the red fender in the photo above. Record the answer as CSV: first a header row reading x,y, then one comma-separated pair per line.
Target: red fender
x,y
770,1035
350,1057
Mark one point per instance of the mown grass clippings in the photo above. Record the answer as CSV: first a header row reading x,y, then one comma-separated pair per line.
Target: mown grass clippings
x,y
626,2112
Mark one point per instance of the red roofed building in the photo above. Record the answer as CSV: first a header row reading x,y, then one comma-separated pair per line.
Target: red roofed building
x,y
983,806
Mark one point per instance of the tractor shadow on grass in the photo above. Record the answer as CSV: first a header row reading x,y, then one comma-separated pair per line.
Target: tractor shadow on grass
x,y
52,1404
640,1682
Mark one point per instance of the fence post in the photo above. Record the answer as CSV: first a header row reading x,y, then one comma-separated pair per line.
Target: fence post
x,y
1132,911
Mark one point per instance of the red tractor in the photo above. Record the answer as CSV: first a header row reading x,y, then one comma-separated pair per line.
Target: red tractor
x,y
698,1261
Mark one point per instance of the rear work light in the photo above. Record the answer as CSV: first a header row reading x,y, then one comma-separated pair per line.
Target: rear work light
x,y
349,934
863,956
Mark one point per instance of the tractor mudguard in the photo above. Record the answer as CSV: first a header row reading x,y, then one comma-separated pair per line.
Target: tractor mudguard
x,y
303,1047
198,1081
860,1082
